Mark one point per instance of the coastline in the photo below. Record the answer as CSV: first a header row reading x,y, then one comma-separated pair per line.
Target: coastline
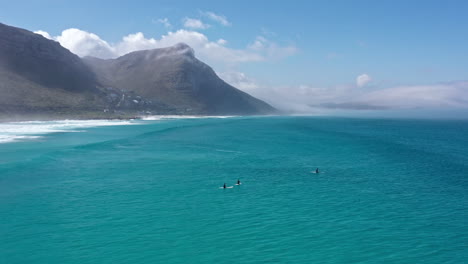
x,y
5,118
117,115
33,129
41,117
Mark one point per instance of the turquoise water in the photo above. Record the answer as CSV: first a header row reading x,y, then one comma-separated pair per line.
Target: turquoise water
x,y
391,191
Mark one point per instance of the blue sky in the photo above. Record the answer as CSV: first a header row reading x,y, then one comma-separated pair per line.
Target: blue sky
x,y
313,49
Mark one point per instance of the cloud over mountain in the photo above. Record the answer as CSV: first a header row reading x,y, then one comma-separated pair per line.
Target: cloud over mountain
x,y
39,76
355,95
85,43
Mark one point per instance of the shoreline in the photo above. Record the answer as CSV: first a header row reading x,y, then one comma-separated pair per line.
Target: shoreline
x,y
43,118
57,117
27,129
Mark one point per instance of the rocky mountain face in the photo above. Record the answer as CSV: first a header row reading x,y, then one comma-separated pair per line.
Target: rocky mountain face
x,y
43,61
38,75
174,76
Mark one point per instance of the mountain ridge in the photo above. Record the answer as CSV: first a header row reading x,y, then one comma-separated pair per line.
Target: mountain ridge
x,y
182,79
38,75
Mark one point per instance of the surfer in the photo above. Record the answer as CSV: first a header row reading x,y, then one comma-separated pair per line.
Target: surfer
x,y
238,182
224,186
317,171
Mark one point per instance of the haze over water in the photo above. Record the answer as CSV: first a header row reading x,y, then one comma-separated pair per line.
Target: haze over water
x,y
390,191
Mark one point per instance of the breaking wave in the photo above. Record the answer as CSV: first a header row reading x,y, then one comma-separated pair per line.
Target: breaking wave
x,y
21,131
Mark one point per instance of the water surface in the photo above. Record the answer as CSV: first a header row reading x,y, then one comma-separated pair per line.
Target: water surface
x,y
390,191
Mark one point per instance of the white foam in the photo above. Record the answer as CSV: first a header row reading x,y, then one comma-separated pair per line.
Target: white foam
x,y
8,139
20,131
166,117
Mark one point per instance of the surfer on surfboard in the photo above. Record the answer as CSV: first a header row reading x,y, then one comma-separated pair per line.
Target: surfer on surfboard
x,y
317,171
238,182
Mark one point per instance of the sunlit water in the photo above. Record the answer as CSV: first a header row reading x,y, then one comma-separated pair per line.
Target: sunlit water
x,y
390,191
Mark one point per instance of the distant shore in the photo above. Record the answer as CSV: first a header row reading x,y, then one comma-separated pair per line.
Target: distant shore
x,y
62,116
103,116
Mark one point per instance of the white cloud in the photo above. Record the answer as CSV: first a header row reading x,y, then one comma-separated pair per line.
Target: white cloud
x,y
312,99
195,23
362,80
84,43
239,80
286,98
199,42
218,18
134,42
165,22
259,43
271,49
297,98
221,41
444,95
43,33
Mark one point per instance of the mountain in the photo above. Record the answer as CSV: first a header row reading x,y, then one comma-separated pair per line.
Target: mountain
x,y
40,77
174,76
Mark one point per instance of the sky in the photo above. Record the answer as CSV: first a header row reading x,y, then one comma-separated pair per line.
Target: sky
x,y
311,57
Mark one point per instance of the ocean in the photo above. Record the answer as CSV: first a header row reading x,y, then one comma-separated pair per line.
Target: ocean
x,y
148,191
